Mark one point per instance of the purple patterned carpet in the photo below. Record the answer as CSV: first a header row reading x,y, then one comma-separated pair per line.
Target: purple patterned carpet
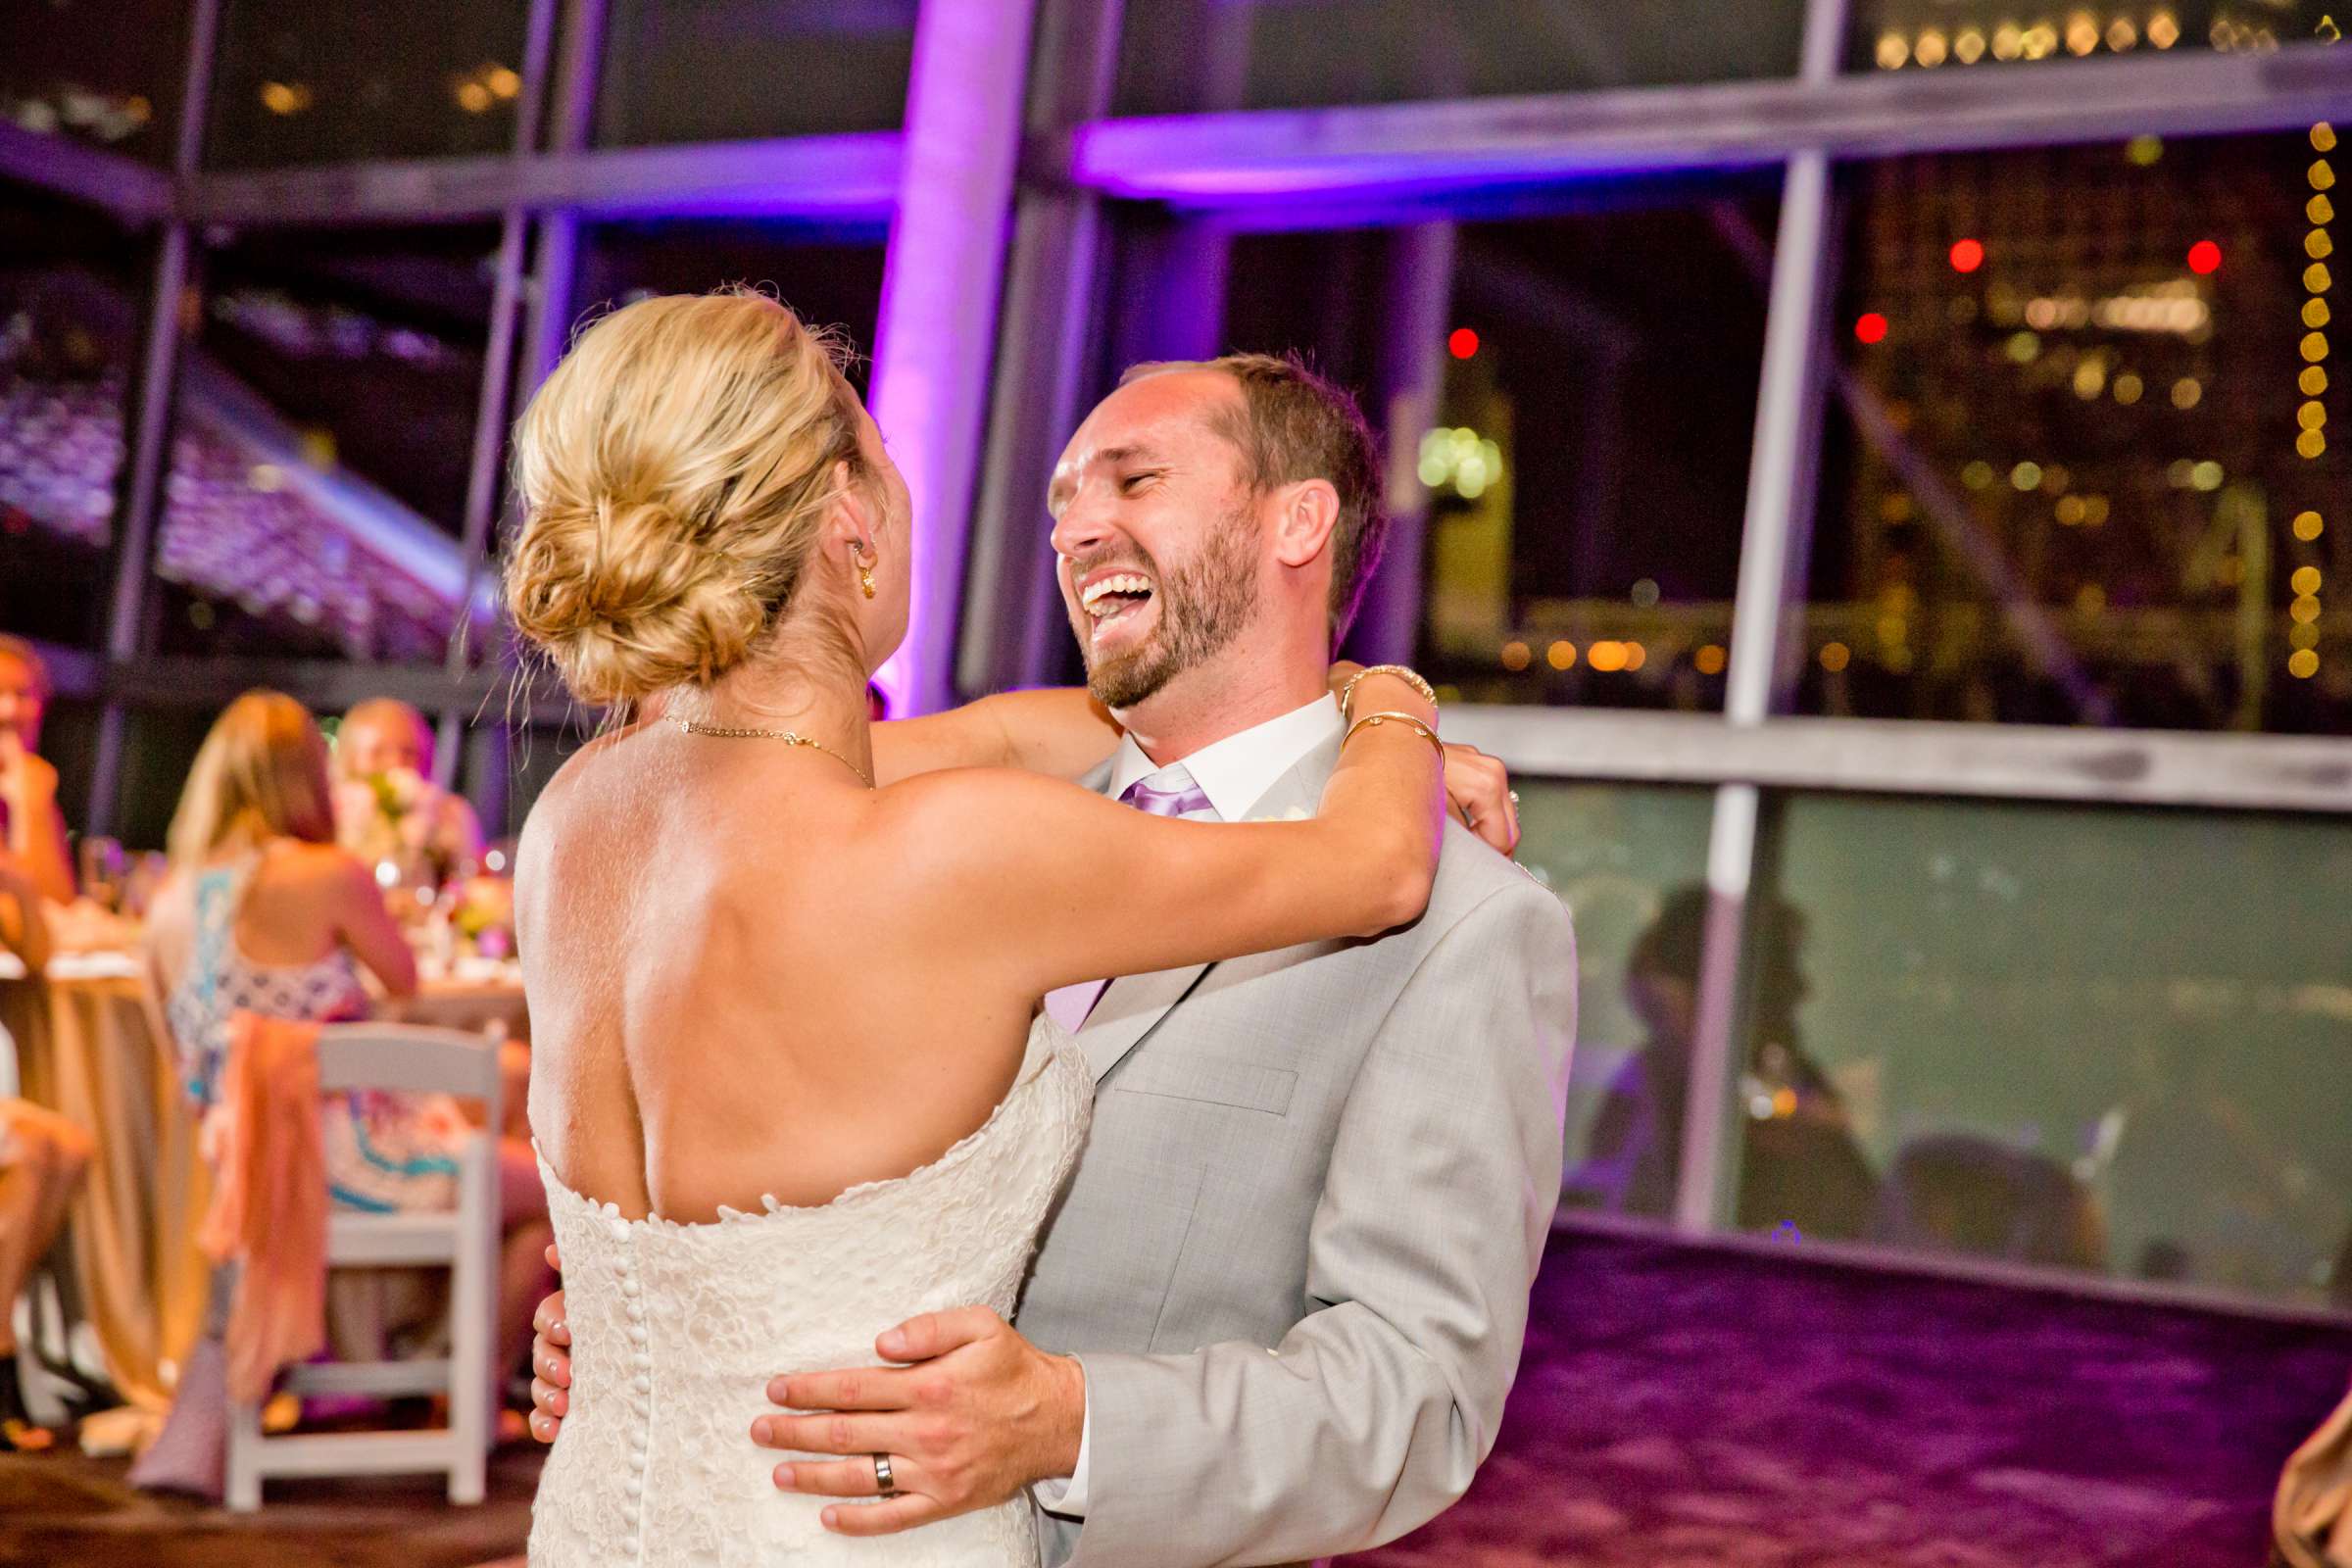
x,y
1680,1407
1685,1406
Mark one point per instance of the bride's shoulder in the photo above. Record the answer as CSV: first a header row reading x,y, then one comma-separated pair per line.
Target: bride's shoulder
x,y
597,766
976,816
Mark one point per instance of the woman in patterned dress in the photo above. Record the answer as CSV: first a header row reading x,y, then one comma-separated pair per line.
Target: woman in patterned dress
x,y
263,913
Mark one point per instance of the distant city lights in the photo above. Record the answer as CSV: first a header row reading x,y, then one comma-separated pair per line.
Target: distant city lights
x,y
1461,343
1894,49
2310,440
1871,327
1462,459
1967,254
2204,258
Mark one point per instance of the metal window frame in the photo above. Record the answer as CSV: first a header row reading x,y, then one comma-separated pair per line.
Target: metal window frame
x,y
1775,545
1248,157
1424,162
1413,163
2027,763
147,456
853,176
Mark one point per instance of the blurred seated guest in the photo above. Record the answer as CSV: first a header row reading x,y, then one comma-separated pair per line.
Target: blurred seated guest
x,y
386,805
1957,1192
263,913
1801,1165
33,831
23,930
42,1157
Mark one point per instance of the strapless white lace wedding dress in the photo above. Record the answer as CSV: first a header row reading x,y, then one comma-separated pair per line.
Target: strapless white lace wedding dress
x,y
677,1330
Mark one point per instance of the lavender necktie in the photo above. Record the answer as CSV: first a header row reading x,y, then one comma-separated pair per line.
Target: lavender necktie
x,y
1070,1004
1186,800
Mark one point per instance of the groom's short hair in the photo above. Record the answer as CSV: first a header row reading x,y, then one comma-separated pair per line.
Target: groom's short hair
x,y
1294,425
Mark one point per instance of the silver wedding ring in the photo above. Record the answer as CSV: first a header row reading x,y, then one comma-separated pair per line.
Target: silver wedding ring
x,y
884,1485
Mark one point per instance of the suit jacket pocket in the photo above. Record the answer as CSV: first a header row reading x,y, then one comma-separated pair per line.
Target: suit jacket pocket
x,y
1211,1080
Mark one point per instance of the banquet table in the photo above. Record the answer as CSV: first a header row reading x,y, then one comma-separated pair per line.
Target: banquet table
x,y
87,1048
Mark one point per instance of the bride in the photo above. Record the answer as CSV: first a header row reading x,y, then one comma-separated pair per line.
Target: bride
x,y
792,1084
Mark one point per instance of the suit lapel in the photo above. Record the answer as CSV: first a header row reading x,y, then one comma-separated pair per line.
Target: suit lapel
x,y
1132,1006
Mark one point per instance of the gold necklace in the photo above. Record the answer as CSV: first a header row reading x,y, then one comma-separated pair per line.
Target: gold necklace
x,y
694,727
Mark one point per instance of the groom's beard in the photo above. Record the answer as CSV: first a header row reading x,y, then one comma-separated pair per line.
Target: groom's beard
x,y
1203,605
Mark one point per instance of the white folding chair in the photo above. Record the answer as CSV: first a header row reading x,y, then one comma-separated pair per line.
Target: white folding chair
x,y
464,1240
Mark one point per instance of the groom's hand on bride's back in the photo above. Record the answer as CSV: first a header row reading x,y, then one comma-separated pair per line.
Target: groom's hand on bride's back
x,y
551,1362
972,1415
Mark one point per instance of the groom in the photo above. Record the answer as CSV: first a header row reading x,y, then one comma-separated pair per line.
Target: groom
x,y
1276,1313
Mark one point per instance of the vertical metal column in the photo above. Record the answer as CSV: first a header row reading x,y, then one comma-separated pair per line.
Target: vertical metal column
x,y
1773,545
940,285
546,305
1013,623
498,374
571,122
1411,382
147,456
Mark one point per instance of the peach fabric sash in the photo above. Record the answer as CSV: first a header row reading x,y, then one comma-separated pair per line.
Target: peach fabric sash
x,y
269,1210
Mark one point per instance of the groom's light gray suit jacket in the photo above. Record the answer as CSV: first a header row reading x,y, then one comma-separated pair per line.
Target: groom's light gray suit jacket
x,y
1296,1254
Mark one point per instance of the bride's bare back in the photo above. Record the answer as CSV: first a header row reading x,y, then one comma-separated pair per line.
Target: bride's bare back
x,y
753,976
724,1003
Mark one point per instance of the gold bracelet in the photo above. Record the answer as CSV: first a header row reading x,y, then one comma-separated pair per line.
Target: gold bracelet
x,y
1409,678
1377,719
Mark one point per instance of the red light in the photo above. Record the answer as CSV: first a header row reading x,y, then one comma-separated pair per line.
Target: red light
x,y
2204,257
1463,342
1967,254
1871,327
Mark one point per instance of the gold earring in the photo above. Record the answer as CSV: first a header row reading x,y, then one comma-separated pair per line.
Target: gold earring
x,y
865,573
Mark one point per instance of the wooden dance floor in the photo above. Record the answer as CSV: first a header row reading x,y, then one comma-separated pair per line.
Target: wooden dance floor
x,y
1681,1407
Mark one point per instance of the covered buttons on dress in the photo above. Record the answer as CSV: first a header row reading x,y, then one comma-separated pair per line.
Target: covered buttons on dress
x,y
640,1386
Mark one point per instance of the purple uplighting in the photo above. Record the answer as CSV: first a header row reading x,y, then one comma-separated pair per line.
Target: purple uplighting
x,y
932,347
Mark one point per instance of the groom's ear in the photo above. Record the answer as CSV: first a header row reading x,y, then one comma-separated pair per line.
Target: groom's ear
x,y
1309,511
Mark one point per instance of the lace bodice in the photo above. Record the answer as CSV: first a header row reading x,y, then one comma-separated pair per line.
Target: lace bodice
x,y
677,1330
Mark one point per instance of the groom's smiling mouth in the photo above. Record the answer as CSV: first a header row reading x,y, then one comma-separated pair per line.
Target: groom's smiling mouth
x,y
1115,601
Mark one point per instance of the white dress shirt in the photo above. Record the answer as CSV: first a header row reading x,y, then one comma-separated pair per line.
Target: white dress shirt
x,y
1235,774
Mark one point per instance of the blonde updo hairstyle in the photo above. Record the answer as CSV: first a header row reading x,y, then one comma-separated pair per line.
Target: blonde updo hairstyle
x,y
675,471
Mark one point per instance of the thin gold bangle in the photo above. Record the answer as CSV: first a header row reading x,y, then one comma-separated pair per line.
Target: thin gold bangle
x,y
1377,719
1410,677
